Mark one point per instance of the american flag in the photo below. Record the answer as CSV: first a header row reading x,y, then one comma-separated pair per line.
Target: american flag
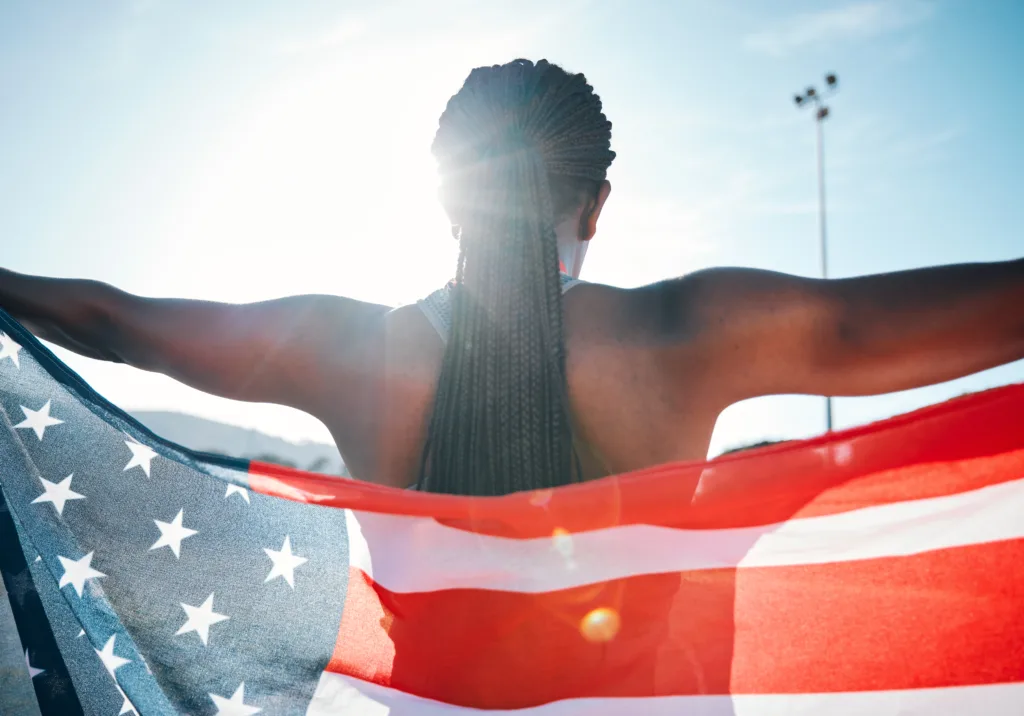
x,y
879,570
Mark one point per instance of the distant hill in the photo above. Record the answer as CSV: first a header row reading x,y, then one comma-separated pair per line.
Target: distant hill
x,y
210,436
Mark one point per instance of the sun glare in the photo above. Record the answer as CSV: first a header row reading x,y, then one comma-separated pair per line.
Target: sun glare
x,y
326,185
310,192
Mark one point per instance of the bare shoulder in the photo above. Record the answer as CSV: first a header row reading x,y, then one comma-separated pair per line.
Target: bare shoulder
x,y
650,333
663,313
668,335
710,303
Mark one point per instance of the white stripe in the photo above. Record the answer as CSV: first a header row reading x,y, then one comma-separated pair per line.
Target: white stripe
x,y
337,694
414,554
358,551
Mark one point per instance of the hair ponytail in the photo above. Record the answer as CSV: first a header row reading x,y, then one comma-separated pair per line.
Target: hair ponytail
x,y
501,419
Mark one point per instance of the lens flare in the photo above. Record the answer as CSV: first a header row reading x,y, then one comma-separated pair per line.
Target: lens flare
x,y
600,625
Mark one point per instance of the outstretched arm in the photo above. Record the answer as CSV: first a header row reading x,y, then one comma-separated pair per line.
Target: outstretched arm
x,y
285,351
767,333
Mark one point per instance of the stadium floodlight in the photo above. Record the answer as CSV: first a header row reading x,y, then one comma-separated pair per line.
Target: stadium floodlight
x,y
811,96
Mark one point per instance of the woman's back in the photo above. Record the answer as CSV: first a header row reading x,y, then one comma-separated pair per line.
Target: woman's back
x,y
629,408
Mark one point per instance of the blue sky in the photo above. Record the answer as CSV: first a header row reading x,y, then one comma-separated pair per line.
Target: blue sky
x,y
245,150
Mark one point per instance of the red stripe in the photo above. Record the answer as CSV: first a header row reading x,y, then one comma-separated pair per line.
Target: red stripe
x,y
363,647
945,618
937,451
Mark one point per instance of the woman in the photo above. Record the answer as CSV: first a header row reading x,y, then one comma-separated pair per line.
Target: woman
x,y
517,376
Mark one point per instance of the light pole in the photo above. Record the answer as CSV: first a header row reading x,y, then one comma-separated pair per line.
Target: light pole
x,y
808,98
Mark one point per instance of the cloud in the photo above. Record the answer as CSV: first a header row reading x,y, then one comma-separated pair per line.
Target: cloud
x,y
857,21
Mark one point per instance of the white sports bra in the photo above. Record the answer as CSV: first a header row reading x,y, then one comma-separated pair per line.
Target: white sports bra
x,y
437,307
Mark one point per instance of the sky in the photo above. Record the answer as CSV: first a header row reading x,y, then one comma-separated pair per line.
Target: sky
x,y
244,150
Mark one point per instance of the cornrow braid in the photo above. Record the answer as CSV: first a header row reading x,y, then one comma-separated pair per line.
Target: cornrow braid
x,y
517,146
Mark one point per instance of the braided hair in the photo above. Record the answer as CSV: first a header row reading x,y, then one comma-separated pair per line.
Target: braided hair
x,y
518,147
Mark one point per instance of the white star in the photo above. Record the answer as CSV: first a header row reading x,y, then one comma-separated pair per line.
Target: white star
x,y
200,619
235,706
75,573
111,661
284,562
237,490
142,456
58,493
38,420
33,672
126,705
9,349
172,533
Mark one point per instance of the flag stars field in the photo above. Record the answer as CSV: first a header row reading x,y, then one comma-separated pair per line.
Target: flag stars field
x,y
284,562
77,572
9,350
235,706
108,545
200,619
58,493
38,420
172,533
237,490
112,662
142,456
126,704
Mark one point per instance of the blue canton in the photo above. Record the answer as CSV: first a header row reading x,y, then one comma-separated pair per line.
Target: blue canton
x,y
147,578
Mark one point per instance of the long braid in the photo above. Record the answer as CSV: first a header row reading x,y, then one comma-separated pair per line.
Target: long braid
x,y
519,144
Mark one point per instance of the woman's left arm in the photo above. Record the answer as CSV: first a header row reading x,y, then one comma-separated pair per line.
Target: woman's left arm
x,y
285,351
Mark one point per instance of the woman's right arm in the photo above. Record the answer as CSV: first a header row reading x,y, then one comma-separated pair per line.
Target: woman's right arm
x,y
283,351
765,333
